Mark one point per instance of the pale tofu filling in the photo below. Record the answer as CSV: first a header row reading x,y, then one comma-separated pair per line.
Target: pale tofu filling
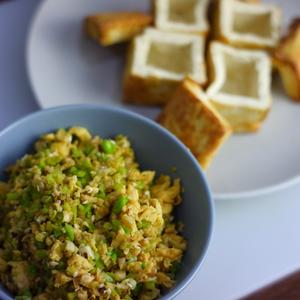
x,y
241,77
253,23
171,57
182,11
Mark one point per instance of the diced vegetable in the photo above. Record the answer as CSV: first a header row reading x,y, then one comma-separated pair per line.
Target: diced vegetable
x,y
108,146
70,232
119,204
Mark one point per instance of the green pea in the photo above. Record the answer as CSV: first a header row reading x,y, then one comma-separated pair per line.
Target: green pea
x,y
119,204
108,146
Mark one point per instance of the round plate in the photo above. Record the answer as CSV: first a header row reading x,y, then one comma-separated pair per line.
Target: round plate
x,y
65,67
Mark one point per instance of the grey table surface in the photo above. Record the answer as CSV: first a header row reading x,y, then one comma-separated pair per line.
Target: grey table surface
x,y
16,97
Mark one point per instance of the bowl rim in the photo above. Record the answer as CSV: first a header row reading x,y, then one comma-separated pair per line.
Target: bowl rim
x,y
178,288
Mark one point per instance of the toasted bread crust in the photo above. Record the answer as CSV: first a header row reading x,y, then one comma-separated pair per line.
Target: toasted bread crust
x,y
145,90
112,28
287,64
195,122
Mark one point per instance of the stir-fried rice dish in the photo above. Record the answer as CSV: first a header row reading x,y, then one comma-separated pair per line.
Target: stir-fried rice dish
x,y
80,220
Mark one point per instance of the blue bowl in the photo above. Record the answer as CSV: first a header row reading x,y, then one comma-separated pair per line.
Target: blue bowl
x,y
156,149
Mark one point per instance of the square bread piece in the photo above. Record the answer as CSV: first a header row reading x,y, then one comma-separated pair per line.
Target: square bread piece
x,y
115,27
189,16
157,61
240,87
287,60
191,117
243,24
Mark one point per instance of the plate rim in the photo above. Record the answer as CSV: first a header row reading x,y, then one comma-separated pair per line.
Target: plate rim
x,y
254,193
28,47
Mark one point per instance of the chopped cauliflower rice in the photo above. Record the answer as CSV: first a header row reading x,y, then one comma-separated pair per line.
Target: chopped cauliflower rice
x,y
80,220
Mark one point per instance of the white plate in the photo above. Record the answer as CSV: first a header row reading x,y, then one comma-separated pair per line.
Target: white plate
x,y
65,68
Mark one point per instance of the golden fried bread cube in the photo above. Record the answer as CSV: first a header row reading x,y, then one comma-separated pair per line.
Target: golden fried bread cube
x,y
287,60
158,61
190,116
240,85
189,16
243,24
115,27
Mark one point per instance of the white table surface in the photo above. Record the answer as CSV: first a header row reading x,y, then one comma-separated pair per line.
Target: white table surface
x,y
255,242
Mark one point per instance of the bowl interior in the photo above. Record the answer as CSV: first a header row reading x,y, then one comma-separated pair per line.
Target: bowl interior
x,y
155,149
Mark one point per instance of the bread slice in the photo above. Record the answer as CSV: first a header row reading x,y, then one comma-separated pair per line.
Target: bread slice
x,y
190,116
243,24
115,27
158,61
240,85
189,16
287,60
